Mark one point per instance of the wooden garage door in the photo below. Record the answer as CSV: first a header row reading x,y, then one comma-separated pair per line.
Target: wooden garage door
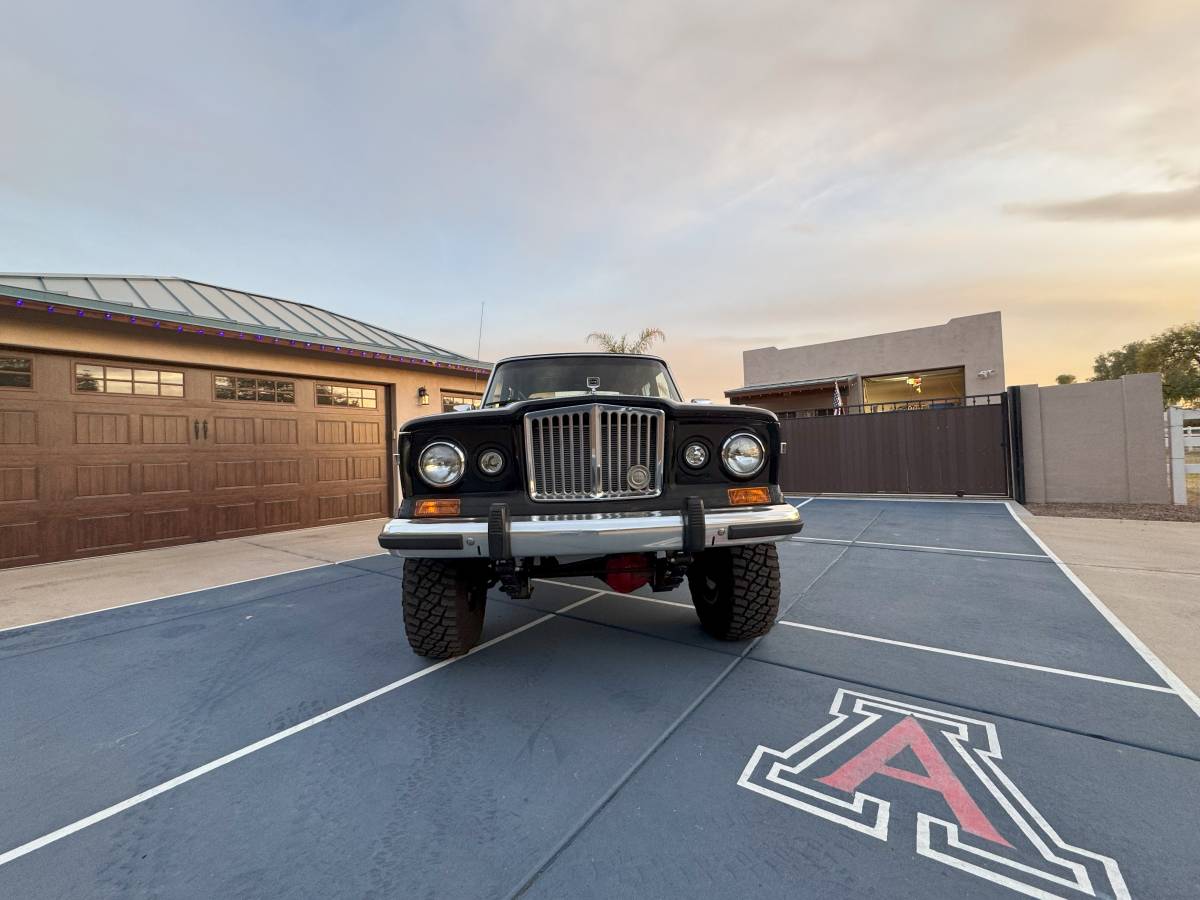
x,y
102,456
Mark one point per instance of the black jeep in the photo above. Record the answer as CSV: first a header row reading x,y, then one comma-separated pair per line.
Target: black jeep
x,y
588,464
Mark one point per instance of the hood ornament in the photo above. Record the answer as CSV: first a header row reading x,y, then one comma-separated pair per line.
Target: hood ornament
x,y
593,384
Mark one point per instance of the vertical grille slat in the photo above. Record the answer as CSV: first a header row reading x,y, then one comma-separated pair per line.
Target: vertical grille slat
x,y
585,452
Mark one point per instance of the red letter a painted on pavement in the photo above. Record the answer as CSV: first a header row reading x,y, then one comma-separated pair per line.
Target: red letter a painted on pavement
x,y
939,777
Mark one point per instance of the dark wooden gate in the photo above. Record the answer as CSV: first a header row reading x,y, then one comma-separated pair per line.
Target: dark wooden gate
x,y
942,447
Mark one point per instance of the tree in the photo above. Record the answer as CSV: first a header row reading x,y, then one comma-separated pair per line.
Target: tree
x,y
1116,363
1066,379
624,344
1175,353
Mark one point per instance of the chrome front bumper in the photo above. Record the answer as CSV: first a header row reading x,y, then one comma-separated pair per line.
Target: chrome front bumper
x,y
597,534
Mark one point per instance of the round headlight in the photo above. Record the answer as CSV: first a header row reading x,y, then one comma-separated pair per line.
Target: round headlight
x,y
441,463
743,455
491,462
695,455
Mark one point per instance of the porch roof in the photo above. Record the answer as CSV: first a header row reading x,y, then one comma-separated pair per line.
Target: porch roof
x,y
784,387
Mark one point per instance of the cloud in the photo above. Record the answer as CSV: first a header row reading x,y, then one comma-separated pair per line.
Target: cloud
x,y
1176,205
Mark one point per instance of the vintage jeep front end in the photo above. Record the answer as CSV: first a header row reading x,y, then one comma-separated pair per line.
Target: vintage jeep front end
x,y
588,465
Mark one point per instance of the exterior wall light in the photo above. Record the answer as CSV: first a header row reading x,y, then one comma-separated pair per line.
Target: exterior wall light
x,y
422,396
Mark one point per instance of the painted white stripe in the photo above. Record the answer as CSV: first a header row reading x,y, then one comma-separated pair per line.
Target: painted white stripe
x,y
978,658
178,780
902,499
802,503
890,546
581,587
211,587
1160,668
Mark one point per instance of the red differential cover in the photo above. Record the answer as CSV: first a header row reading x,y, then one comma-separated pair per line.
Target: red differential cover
x,y
627,572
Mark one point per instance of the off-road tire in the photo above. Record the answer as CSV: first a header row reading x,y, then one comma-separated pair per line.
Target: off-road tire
x,y
444,602
736,590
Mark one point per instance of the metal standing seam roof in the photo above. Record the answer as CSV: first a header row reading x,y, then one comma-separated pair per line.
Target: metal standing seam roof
x,y
183,301
787,385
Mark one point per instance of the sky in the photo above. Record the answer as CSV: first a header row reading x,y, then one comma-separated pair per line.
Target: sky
x,y
739,175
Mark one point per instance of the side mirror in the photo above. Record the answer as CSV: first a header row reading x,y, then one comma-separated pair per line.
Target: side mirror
x,y
462,407
701,401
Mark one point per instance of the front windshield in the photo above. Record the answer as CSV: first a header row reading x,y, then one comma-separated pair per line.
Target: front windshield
x,y
568,376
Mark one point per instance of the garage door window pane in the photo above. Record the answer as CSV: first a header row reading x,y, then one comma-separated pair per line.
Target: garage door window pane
x,y
171,390
93,378
16,371
345,395
259,390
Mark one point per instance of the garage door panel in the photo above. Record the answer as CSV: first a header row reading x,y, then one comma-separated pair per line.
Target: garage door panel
x,y
18,427
367,468
111,531
333,508
161,526
281,513
365,433
164,429
112,480
20,543
18,483
230,519
166,477
332,431
280,431
233,430
234,473
101,428
332,468
280,472
367,504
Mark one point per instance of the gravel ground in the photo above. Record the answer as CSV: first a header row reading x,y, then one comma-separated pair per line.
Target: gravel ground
x,y
1150,511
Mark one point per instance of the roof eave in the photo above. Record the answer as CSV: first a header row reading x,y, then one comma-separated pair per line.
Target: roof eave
x,y
222,328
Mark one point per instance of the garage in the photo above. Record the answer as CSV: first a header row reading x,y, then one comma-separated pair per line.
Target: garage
x,y
126,432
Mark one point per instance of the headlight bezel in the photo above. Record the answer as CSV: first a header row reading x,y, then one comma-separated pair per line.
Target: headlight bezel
x,y
725,454
459,454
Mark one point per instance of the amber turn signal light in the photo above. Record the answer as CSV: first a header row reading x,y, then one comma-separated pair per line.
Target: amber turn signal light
x,y
429,508
749,496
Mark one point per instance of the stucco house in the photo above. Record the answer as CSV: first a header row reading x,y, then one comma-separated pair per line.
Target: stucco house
x,y
939,363
139,412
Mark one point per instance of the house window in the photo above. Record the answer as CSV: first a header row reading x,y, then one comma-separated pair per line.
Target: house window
x,y
449,401
94,378
16,372
257,390
345,395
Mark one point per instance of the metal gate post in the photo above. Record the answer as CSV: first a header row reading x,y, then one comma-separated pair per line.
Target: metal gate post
x,y
1016,444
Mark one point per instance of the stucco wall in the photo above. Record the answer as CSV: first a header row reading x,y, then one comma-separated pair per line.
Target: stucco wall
x,y
973,342
1095,442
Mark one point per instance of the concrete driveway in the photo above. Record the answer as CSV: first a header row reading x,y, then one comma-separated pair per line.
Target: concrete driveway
x,y
941,711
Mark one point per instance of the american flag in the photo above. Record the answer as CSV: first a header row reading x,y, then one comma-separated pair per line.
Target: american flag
x,y
837,399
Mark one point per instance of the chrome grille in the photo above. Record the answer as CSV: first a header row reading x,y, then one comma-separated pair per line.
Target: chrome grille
x,y
586,452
